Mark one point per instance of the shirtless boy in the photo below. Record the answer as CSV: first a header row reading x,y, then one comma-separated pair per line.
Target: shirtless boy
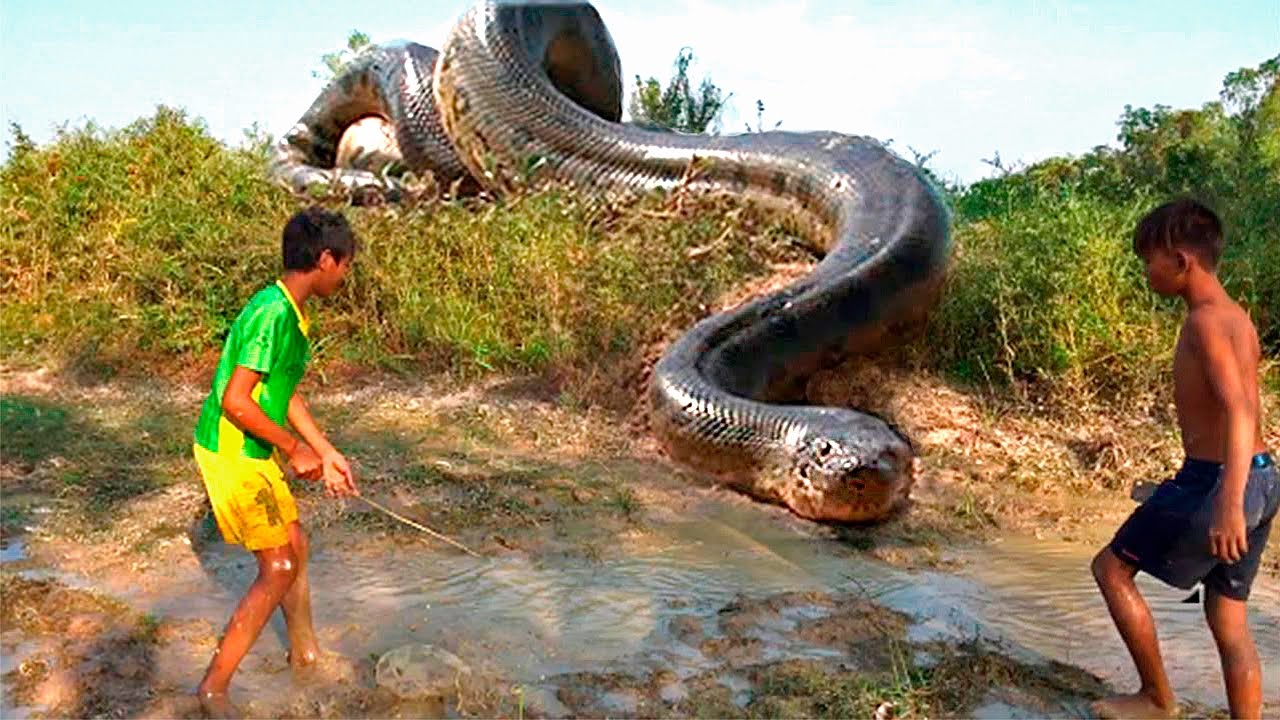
x,y
1209,523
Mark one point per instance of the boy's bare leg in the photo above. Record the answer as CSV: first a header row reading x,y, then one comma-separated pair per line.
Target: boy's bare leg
x,y
1138,630
296,604
1241,669
277,568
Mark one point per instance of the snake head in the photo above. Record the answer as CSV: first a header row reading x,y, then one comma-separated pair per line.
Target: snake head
x,y
852,471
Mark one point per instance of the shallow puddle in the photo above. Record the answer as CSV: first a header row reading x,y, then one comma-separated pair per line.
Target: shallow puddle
x,y
531,620
13,550
1042,595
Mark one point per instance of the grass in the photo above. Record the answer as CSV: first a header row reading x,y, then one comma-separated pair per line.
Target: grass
x,y
1046,291
805,689
133,249
885,677
139,245
1050,292
98,456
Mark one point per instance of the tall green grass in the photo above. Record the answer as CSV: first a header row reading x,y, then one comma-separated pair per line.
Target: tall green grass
x,y
1047,289
138,239
140,245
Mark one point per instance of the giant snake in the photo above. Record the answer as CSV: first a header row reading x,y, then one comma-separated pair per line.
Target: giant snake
x,y
530,91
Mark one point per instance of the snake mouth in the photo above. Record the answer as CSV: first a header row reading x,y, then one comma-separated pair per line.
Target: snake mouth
x,y
852,489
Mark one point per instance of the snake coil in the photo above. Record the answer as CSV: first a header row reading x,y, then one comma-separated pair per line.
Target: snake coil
x,y
532,89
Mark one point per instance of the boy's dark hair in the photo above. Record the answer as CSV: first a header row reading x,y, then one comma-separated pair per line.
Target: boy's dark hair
x,y
312,231
1182,223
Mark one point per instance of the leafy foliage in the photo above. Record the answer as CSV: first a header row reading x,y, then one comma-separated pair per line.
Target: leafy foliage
x,y
1045,286
333,62
678,106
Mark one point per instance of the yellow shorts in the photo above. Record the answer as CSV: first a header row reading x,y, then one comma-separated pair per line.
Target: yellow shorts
x,y
251,501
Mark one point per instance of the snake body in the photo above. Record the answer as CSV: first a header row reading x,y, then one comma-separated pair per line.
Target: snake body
x,y
528,91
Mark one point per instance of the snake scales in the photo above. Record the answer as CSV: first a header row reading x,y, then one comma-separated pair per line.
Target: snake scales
x,y
527,89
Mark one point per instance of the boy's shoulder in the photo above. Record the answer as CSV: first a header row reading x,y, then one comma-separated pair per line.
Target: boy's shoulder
x,y
267,298
1220,321
269,305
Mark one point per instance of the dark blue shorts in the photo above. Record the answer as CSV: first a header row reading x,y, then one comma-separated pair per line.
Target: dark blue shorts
x,y
1167,537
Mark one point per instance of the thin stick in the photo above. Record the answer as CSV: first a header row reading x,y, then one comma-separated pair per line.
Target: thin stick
x,y
423,528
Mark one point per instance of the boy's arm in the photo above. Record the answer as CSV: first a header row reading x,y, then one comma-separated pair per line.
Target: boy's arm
x,y
338,476
239,407
1227,536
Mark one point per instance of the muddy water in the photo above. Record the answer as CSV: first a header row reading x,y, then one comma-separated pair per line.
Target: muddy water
x,y
1042,595
530,620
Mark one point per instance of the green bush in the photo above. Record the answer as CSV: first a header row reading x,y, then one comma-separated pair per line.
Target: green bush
x,y
139,238
1045,285
1050,290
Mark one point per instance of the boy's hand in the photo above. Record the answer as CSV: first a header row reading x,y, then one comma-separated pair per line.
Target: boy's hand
x,y
1227,539
339,479
304,462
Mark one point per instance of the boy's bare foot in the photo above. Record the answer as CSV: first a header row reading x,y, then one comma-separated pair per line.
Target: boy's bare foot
x,y
303,659
217,705
1137,705
321,667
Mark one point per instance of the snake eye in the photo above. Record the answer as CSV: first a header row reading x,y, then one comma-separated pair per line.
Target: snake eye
x,y
823,448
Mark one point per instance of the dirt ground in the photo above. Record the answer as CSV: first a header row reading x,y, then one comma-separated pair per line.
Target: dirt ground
x,y
97,483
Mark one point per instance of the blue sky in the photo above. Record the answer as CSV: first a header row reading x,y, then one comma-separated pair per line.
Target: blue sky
x,y
966,78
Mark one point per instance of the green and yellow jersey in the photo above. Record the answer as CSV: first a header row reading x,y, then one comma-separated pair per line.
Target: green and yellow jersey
x,y
269,336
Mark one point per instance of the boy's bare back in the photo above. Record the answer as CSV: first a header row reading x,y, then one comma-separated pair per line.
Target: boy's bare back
x,y
1215,333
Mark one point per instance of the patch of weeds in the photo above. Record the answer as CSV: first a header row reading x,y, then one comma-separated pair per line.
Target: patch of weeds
x,y
809,689
45,606
419,475
368,521
570,401
13,519
107,492
484,499
474,425
518,692
517,506
590,551
713,702
968,509
148,628
965,674
624,502
33,430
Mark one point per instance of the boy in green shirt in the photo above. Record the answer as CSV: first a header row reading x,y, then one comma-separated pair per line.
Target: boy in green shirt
x,y
242,430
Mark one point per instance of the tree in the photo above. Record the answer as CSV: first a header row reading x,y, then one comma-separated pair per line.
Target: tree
x,y
334,61
678,106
